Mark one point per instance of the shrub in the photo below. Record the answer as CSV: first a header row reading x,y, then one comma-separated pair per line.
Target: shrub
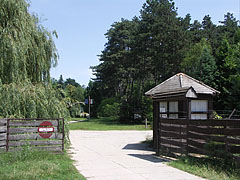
x,y
109,108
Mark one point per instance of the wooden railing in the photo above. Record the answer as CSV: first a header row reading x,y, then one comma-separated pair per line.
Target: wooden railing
x,y
199,137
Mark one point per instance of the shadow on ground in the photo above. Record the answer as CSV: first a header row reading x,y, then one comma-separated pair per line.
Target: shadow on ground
x,y
150,157
138,146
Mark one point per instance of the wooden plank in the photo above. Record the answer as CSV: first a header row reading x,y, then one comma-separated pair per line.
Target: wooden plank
x,y
3,129
174,121
196,144
171,149
30,123
206,137
173,135
33,136
35,119
3,122
26,130
172,142
2,143
233,141
219,131
234,149
210,122
44,148
173,128
3,136
34,143
232,131
214,122
197,150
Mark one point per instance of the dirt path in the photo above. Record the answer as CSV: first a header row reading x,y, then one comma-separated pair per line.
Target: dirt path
x,y
118,155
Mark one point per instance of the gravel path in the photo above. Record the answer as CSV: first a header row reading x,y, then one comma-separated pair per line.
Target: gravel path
x,y
118,155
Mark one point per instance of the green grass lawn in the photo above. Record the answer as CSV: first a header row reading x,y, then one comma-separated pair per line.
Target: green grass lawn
x,y
33,165
211,169
105,124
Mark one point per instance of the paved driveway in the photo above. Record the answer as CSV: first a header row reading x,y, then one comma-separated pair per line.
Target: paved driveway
x,y
119,155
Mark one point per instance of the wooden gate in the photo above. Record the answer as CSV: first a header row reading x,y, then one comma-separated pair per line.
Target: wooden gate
x,y
42,134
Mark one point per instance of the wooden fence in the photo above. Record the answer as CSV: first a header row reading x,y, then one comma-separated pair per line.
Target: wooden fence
x,y
3,134
43,134
199,137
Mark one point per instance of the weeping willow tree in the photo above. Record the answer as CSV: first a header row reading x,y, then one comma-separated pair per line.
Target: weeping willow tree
x,y
28,100
27,53
27,49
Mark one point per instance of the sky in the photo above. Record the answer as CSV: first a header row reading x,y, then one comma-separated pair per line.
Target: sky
x,y
81,25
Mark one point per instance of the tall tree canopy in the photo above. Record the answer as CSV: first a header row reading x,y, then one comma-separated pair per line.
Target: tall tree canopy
x,y
142,52
27,49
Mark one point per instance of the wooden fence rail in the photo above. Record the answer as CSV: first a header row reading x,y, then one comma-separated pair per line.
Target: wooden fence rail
x,y
44,134
199,137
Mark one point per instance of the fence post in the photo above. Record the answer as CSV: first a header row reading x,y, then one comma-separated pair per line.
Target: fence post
x,y
146,126
63,135
7,138
187,123
159,137
225,140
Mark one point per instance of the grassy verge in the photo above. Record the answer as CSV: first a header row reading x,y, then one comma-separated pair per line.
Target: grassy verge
x,y
105,124
212,169
37,165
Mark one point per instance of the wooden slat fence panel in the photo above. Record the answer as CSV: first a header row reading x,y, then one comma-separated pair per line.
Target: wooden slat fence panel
x,y
3,129
30,123
199,136
25,133
33,143
206,130
3,134
26,130
33,136
173,135
46,148
3,122
175,142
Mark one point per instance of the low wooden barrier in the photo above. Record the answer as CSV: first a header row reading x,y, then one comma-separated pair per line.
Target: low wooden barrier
x,y
3,134
199,137
42,134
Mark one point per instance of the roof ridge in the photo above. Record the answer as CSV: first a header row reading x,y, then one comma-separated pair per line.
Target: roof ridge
x,y
160,84
200,82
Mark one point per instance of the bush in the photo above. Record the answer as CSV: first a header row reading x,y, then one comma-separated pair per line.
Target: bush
x,y
109,108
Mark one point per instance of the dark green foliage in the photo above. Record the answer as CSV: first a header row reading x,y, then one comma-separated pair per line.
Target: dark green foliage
x,y
143,52
200,63
27,49
72,93
24,100
27,52
109,108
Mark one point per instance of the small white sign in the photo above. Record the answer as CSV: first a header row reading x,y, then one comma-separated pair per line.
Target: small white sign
x,y
46,129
